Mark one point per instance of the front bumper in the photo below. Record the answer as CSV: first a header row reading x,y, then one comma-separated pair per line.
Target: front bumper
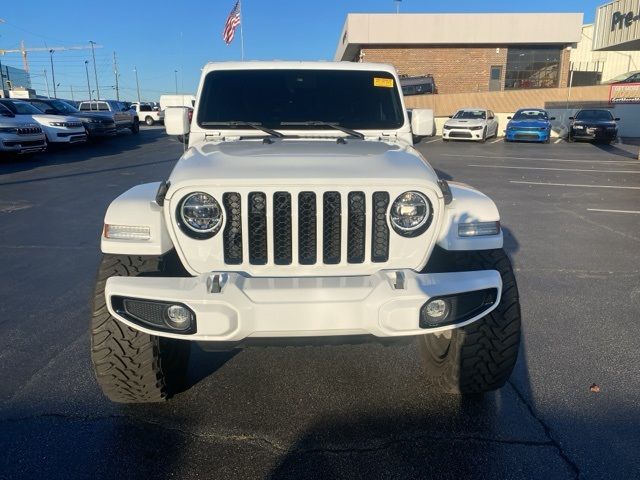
x,y
594,134
386,304
101,130
462,134
22,144
527,135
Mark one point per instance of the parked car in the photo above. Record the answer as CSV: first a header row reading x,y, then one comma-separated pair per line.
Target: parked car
x,y
629,77
96,124
593,124
529,125
18,135
59,129
422,85
147,114
123,117
314,220
476,124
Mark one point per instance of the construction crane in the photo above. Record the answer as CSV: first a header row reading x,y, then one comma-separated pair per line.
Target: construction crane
x,y
24,51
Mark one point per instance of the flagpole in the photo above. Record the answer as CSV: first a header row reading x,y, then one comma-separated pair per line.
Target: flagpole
x,y
241,35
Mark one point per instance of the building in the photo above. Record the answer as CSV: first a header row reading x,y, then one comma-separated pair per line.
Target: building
x,y
591,66
467,52
14,77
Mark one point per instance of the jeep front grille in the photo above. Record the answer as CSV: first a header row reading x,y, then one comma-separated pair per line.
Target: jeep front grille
x,y
326,217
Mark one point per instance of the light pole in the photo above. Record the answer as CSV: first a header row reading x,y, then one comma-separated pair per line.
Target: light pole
x,y
53,73
397,5
86,69
95,71
47,82
135,69
175,72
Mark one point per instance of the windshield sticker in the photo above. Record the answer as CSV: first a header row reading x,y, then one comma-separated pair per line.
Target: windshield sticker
x,y
383,82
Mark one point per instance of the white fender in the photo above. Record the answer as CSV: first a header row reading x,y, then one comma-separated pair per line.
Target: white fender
x,y
137,207
468,206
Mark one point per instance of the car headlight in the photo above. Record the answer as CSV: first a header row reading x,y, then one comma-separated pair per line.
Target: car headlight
x,y
92,120
199,215
58,124
447,127
411,214
8,130
476,128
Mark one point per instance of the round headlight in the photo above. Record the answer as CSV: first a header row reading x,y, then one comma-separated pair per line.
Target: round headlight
x,y
200,214
411,214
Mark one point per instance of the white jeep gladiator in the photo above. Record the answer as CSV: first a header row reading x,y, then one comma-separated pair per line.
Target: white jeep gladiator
x,y
301,212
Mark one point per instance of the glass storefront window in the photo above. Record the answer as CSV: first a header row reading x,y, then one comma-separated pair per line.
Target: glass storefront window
x,y
532,67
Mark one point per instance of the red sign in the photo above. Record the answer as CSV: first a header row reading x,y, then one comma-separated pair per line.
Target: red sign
x,y
624,93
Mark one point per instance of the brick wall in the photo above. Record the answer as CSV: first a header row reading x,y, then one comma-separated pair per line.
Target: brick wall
x,y
455,69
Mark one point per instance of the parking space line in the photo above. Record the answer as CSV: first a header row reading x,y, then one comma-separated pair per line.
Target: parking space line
x,y
497,140
612,211
631,162
556,169
573,185
434,140
558,140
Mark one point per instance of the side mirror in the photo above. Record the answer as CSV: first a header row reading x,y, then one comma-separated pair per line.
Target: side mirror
x,y
450,116
422,122
571,118
509,118
176,121
491,117
552,118
617,119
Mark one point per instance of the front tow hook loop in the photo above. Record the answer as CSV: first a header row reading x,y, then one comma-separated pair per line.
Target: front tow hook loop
x,y
215,282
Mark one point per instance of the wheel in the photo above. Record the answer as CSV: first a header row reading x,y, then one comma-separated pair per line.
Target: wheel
x,y
570,138
445,139
479,357
484,135
131,366
135,126
149,121
547,140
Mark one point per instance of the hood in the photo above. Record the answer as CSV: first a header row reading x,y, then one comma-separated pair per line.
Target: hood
x,y
533,123
465,122
299,162
45,118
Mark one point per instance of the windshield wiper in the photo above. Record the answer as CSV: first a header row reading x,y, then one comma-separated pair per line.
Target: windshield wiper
x,y
319,123
239,123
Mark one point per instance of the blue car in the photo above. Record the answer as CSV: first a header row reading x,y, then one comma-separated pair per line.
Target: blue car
x,y
529,125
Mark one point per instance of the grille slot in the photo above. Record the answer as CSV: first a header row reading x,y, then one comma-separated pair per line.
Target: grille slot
x,y
356,226
232,235
282,228
307,228
379,228
257,228
331,228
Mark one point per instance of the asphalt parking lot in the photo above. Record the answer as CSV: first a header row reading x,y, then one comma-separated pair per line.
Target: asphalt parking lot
x,y
572,224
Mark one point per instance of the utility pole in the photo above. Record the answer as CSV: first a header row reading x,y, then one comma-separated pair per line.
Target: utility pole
x,y
397,6
86,69
1,74
115,72
135,69
176,74
72,99
47,82
53,74
95,70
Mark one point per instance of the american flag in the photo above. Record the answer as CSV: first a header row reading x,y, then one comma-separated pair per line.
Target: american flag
x,y
232,23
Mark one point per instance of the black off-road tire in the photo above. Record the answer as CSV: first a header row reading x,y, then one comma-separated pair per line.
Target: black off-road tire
x,y
149,121
135,126
131,366
479,357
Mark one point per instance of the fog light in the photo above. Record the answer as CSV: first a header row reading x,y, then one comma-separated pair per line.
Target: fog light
x,y
437,309
178,317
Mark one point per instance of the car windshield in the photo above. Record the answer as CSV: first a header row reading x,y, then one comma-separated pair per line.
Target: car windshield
x,y
63,107
530,115
275,98
594,115
22,108
622,76
471,114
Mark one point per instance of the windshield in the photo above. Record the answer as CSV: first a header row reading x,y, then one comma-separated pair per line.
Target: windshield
x,y
530,115
471,114
273,98
21,108
594,115
63,107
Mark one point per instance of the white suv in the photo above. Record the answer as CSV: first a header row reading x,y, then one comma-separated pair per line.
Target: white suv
x,y
57,128
301,209
18,136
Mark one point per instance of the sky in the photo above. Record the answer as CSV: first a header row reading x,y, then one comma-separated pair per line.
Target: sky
x,y
161,37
